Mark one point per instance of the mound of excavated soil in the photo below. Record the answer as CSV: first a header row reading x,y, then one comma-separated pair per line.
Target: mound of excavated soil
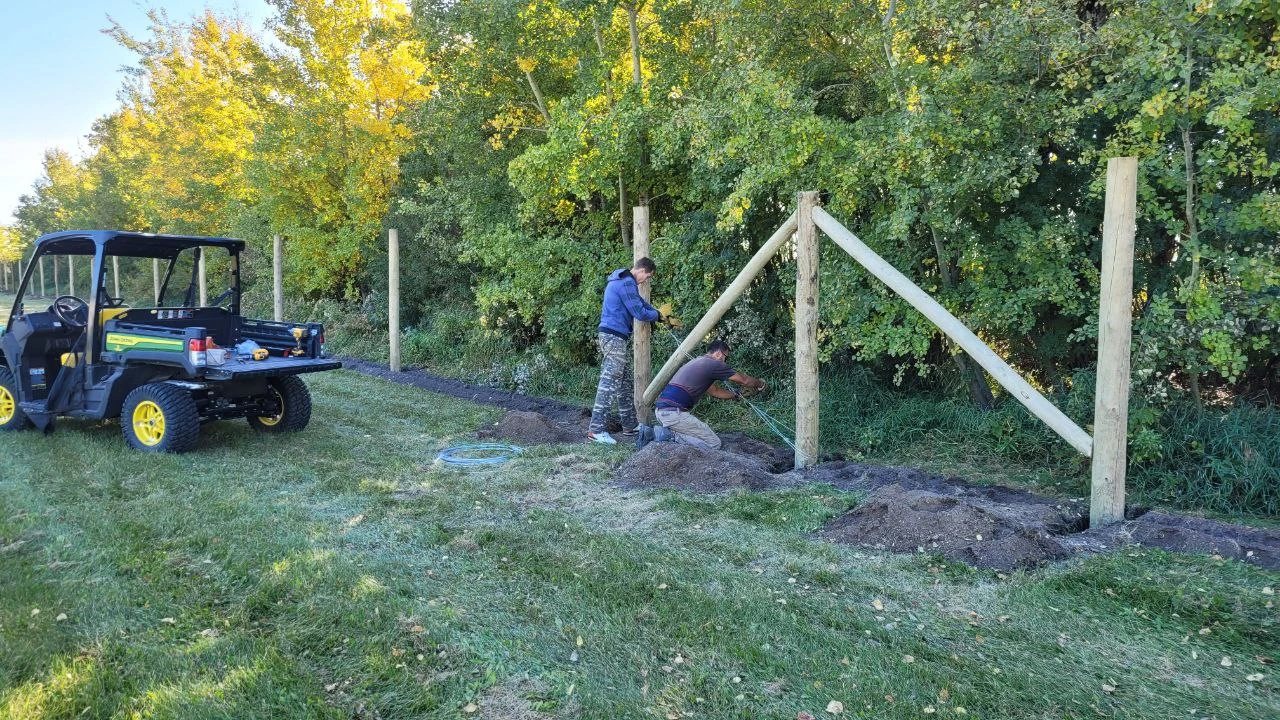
x,y
681,467
966,525
529,428
1181,533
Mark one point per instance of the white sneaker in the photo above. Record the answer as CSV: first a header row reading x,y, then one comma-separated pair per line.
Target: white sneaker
x,y
602,437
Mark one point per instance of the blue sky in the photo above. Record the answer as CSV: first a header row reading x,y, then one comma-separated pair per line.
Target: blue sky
x,y
60,73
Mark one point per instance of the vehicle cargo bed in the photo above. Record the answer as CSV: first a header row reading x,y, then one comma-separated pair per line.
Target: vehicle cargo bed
x,y
271,367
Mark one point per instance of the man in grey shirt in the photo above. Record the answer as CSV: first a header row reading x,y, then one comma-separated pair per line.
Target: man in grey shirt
x,y
690,383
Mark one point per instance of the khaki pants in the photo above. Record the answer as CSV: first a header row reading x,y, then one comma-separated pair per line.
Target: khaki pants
x,y
689,429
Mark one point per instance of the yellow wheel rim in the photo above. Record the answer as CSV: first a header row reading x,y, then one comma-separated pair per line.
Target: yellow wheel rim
x,y
8,408
148,423
273,420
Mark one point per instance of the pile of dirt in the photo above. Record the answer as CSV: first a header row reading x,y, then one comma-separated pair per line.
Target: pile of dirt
x,y
969,525
682,467
855,476
529,428
1181,533
777,458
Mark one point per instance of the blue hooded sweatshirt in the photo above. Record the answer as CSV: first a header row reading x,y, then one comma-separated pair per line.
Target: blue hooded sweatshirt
x,y
622,302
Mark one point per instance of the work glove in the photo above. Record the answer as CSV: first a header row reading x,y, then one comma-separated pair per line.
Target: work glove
x,y
665,317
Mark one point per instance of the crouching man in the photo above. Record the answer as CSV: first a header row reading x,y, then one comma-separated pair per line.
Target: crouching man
x,y
697,378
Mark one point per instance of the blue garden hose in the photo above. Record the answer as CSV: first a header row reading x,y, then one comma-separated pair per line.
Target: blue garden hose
x,y
464,455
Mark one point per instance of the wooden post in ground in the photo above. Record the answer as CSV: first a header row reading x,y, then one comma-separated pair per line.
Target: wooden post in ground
x,y
1115,321
1008,378
720,307
40,267
155,278
277,278
642,332
115,273
204,285
393,296
806,331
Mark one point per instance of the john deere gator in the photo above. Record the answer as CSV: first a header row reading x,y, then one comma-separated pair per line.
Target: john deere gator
x,y
164,361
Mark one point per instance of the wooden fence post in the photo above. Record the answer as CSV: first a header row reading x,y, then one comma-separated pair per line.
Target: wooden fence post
x,y
393,296
277,278
155,278
806,332
720,307
204,285
1115,321
642,332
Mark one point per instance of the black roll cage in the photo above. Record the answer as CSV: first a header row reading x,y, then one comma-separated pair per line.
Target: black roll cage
x,y
97,243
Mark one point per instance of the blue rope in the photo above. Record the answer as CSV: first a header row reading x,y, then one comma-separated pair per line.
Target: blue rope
x,y
457,455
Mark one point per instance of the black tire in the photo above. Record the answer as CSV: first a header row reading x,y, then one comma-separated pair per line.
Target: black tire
x,y
180,425
295,406
11,416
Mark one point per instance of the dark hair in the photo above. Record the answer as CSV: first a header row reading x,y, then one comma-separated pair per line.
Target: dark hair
x,y
645,264
717,346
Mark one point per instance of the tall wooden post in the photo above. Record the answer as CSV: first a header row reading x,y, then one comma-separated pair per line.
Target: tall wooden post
x,y
642,332
204,285
1115,321
155,278
277,278
115,273
393,296
806,332
40,267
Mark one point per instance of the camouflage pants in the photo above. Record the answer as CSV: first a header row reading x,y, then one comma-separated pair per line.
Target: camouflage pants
x,y
615,384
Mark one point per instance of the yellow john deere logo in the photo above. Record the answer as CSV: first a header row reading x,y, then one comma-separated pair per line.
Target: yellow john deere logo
x,y
119,342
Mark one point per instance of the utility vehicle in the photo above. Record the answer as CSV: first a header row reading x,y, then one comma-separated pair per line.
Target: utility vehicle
x,y
164,361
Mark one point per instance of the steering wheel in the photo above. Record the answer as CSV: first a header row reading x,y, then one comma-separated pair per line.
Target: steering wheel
x,y
71,310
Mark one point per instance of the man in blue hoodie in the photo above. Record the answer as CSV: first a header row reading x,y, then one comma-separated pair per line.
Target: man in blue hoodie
x,y
622,304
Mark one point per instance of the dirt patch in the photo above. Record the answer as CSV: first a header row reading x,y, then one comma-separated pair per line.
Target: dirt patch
x,y
1181,533
965,525
682,467
530,428
511,701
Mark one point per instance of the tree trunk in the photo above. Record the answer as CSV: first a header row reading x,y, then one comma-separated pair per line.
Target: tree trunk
x,y
633,13
624,227
537,96
974,378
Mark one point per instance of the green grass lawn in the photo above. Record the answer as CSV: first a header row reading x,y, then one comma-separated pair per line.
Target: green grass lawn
x,y
338,573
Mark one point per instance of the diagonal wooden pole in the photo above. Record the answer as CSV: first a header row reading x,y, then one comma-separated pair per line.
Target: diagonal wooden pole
x,y
720,307
954,329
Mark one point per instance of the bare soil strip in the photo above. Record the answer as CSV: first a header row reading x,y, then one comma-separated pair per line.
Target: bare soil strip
x,y
907,509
